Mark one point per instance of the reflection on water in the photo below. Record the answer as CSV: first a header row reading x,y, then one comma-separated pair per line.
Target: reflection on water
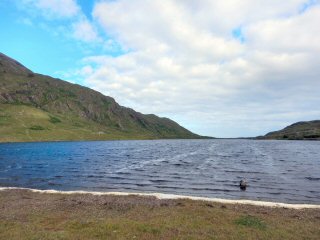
x,y
286,171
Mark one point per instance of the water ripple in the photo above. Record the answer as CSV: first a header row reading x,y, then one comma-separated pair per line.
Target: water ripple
x,y
275,170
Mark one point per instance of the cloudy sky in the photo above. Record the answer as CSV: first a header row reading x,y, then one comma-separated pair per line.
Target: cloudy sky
x,y
220,68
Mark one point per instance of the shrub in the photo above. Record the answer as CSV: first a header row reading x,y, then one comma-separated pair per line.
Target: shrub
x,y
37,127
54,119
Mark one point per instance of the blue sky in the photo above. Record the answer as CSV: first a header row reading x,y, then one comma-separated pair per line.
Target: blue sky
x,y
221,68
43,43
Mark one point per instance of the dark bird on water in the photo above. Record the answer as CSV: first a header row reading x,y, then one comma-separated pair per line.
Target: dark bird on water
x,y
243,184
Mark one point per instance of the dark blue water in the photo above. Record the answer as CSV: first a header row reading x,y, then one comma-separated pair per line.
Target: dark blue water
x,y
285,171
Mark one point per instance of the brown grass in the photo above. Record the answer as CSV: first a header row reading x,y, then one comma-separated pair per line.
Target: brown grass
x,y
27,215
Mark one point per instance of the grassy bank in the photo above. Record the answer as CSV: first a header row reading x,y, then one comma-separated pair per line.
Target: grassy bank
x,y
28,215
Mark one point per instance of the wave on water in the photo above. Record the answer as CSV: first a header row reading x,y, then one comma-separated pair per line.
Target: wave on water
x,y
275,170
313,178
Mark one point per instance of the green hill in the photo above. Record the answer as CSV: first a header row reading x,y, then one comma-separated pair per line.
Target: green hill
x,y
35,107
297,131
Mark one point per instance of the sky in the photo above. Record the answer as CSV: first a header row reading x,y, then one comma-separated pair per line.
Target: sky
x,y
226,68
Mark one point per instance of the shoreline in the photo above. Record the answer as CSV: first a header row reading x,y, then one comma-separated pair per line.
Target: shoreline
x,y
105,140
155,139
164,196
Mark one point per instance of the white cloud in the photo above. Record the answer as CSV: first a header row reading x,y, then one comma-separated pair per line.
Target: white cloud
x,y
182,61
54,8
294,34
63,15
85,31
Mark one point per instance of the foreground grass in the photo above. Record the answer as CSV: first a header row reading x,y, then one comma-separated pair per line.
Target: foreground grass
x,y
27,215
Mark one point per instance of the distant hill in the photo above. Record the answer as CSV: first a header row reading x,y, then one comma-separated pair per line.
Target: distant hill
x,y
297,131
35,107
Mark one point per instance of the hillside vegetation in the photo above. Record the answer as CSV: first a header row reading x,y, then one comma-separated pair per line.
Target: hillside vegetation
x,y
35,107
297,131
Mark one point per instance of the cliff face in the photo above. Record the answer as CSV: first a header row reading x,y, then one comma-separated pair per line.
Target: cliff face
x,y
76,105
297,131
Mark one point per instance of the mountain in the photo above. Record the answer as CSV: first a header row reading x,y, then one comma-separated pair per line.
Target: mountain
x,y
297,131
35,107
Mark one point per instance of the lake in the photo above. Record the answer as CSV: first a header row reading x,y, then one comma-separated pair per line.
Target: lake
x,y
281,171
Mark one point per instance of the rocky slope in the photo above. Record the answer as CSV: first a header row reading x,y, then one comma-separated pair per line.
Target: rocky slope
x,y
37,107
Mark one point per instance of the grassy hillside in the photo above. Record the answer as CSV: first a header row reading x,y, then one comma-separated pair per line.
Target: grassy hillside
x,y
34,107
27,123
297,131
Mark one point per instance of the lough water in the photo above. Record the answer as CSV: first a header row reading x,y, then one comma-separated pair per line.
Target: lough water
x,y
283,171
